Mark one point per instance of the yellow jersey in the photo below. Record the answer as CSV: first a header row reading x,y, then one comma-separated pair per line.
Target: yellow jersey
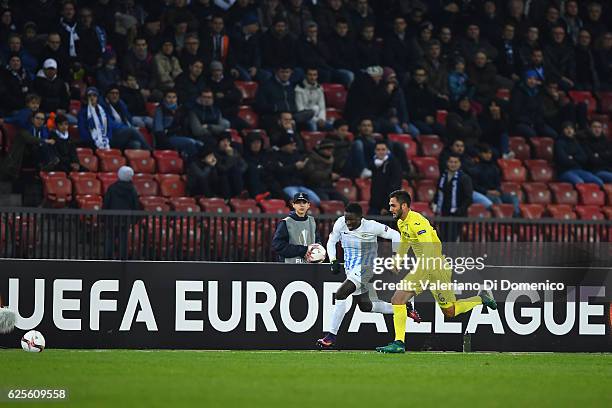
x,y
417,232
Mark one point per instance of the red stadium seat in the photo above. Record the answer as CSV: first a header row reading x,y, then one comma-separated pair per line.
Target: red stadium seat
x,y
422,208
214,205
503,93
589,212
427,166
532,211
512,170
44,175
564,193
364,186
107,180
539,170
10,132
172,188
151,108
158,204
537,193
332,207
510,187
607,212
146,187
57,191
274,206
502,210
161,177
87,186
333,114
108,153
543,147
519,146
73,133
249,116
136,154
311,139
88,160
90,202
184,204
346,187
407,188
410,146
165,153
169,164
110,159
81,175
425,190
605,98
608,190
335,95
590,194
143,165
441,117
248,90
431,145
74,107
561,211
586,97
478,211
248,205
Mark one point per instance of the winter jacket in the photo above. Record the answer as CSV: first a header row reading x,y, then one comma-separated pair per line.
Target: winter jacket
x,y
165,69
486,176
282,165
464,196
385,179
188,90
278,50
484,80
365,98
121,195
13,88
525,104
318,170
274,97
599,153
230,102
53,92
311,97
569,154
313,55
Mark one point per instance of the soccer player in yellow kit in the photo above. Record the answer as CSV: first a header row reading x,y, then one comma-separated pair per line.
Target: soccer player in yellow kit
x,y
417,232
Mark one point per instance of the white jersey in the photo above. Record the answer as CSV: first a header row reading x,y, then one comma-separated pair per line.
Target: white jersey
x,y
361,244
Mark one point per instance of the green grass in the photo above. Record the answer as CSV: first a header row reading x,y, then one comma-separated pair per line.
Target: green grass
x,y
309,379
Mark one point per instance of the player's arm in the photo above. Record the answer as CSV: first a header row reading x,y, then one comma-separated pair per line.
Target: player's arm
x,y
386,232
334,238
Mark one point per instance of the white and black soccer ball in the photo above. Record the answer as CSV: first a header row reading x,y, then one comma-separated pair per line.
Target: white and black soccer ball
x,y
33,342
316,253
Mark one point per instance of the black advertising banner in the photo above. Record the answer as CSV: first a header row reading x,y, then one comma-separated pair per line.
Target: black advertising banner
x,y
198,305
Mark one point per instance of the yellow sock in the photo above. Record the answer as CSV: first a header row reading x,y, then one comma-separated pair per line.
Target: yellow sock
x,y
465,305
399,321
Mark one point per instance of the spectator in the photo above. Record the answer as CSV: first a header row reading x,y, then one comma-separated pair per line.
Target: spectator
x,y
298,16
486,177
557,107
508,60
205,119
437,69
91,41
587,78
296,232
369,52
34,142
571,158
572,21
15,83
108,73
203,175
68,28
362,151
329,13
269,12
179,34
530,42
490,20
216,43
540,66
309,96
247,50
459,83
319,175
191,83
203,10
473,43
494,124
550,21
235,14
121,195
386,178
285,126
166,67
278,95
483,75
15,47
230,167
22,117
138,62
593,21
279,48
63,148
361,16
448,46
400,49
342,55
339,136
256,178
453,197
424,103
462,123
52,89
55,50
457,148
560,55
125,135
191,52
168,128
599,151
367,97
227,96
526,111
133,98
603,57
314,53
287,166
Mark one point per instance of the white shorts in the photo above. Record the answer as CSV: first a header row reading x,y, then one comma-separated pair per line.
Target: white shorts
x,y
361,279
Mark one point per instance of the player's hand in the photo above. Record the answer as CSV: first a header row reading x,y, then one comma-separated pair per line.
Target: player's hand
x,y
336,267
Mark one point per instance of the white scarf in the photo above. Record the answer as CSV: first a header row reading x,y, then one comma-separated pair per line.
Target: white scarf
x,y
63,136
96,119
74,37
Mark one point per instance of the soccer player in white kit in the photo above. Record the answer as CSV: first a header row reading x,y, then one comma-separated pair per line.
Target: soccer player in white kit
x,y
359,239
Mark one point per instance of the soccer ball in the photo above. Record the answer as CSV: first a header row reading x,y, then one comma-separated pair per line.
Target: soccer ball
x,y
315,253
33,341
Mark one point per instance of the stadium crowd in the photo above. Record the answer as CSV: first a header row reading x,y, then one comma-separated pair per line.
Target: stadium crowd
x,y
264,99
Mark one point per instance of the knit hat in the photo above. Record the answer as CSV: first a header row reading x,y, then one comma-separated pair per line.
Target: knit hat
x,y
248,19
92,90
532,73
387,72
125,173
285,139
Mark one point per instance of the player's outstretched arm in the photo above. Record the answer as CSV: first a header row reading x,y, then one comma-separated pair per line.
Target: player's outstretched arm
x,y
333,239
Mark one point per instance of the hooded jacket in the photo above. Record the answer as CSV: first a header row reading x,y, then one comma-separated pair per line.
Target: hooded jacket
x,y
318,170
311,97
121,195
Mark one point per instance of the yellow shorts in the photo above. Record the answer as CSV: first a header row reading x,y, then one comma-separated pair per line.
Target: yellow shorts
x,y
423,279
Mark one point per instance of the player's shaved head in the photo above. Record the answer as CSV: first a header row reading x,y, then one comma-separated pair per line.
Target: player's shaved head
x,y
352,216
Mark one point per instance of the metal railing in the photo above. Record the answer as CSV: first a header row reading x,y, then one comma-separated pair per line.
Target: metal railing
x,y
36,233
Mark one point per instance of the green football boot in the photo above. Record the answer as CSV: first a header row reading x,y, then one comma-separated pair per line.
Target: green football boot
x,y
487,299
396,346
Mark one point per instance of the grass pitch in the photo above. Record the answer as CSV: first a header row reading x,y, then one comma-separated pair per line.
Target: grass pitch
x,y
244,379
